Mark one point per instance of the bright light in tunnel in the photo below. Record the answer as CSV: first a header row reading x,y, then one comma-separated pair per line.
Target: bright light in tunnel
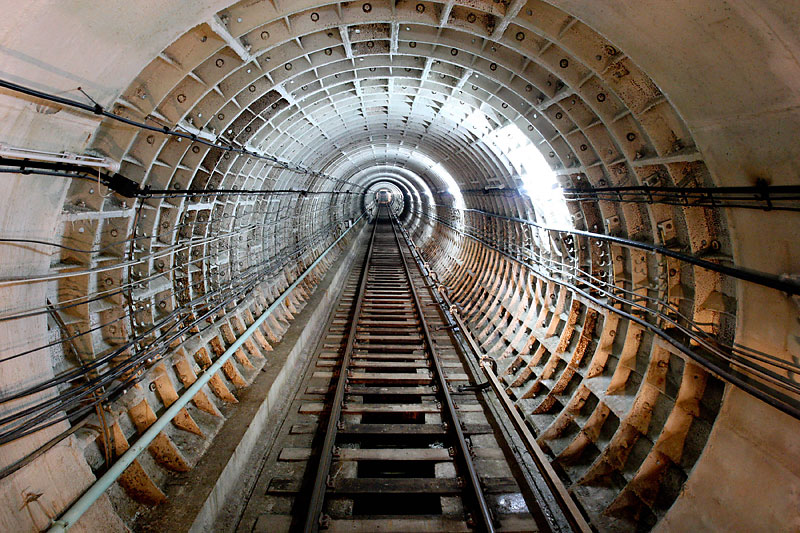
x,y
452,186
438,170
539,182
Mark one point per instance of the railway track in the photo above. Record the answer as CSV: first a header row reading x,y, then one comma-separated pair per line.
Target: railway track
x,y
385,432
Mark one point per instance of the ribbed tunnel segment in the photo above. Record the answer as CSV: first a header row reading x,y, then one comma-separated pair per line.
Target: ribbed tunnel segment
x,y
179,183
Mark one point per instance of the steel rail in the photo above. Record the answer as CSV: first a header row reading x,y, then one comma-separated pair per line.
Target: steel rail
x,y
80,506
565,500
563,497
486,517
315,505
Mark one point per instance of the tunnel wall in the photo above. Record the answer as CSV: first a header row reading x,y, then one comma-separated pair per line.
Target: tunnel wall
x,y
622,415
626,419
740,121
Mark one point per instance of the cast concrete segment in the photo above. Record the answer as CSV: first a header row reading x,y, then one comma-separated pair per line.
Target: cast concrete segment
x,y
77,509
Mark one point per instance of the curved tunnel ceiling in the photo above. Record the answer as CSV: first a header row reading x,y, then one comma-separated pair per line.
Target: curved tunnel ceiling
x,y
318,84
351,89
399,94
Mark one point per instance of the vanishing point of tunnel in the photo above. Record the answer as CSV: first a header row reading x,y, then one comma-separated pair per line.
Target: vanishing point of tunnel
x,y
400,266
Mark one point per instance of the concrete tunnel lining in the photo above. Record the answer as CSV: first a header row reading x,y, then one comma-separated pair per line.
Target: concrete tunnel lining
x,y
354,94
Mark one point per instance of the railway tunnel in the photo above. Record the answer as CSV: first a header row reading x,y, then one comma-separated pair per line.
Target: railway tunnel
x,y
400,265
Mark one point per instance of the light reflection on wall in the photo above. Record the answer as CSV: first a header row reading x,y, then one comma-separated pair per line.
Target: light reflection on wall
x,y
438,170
538,181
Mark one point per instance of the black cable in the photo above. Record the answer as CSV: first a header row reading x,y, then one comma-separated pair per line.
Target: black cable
x,y
27,459
749,196
753,276
78,394
65,401
772,397
691,328
63,340
91,387
177,247
131,189
98,110
97,362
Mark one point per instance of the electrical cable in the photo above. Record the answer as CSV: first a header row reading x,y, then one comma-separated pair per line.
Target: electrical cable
x,y
69,399
770,396
760,278
760,196
62,404
693,330
97,109
130,189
